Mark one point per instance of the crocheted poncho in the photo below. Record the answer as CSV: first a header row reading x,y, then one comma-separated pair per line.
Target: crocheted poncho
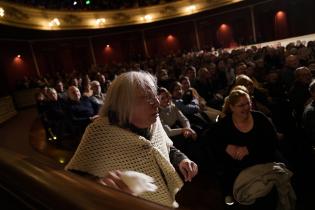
x,y
105,148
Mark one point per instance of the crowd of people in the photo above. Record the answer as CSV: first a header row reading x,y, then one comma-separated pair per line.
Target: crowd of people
x,y
227,112
90,5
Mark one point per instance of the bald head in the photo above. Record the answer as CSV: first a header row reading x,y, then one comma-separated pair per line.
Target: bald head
x,y
74,93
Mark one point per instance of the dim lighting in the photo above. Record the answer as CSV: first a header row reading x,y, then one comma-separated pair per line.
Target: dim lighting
x,y
100,21
1,12
191,8
107,46
280,14
54,22
61,160
146,18
223,26
170,37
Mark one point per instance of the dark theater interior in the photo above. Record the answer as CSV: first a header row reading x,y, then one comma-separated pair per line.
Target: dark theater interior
x,y
234,91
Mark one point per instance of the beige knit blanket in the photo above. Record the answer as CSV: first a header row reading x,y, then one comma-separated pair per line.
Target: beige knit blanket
x,y
105,148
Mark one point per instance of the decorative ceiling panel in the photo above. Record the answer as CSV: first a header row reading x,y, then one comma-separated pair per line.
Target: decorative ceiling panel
x,y
43,19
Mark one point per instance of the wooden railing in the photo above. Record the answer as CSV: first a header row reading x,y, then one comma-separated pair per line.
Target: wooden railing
x,y
47,185
7,109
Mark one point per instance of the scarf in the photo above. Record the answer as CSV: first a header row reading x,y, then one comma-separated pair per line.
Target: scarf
x,y
106,148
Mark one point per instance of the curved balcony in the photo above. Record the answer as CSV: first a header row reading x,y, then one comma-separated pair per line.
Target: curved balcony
x,y
43,19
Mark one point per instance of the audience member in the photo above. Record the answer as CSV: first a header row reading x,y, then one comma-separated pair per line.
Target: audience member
x,y
81,110
130,136
308,118
244,138
97,95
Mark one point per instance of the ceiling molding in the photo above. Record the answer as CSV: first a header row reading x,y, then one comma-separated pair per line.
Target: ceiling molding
x,y
39,19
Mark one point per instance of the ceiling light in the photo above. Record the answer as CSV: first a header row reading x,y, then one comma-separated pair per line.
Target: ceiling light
x,y
100,21
146,18
54,22
191,8
75,3
1,12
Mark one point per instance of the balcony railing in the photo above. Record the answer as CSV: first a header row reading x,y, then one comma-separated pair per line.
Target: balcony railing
x,y
40,185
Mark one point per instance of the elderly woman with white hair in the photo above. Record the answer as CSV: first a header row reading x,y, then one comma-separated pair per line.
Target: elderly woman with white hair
x,y
128,136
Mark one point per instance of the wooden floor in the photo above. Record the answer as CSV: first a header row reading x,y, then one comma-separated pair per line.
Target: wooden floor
x,y
25,134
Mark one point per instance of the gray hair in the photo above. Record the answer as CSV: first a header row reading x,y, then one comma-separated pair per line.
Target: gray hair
x,y
94,83
121,94
311,87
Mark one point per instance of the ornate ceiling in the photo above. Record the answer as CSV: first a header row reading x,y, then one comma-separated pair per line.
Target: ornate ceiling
x,y
43,19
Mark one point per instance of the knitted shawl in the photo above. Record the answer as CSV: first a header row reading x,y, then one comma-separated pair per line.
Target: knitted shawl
x,y
106,147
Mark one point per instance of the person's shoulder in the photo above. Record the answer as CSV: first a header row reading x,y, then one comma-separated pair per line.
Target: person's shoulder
x,y
100,122
257,115
222,120
309,108
173,107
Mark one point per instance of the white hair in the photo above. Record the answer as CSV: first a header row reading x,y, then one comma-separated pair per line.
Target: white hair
x,y
94,83
121,94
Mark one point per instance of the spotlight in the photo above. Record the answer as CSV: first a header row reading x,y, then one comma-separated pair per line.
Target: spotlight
x,y
146,18
191,9
75,3
1,12
87,2
54,22
100,21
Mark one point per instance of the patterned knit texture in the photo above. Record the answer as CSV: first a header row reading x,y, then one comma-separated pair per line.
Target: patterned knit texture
x,y
106,148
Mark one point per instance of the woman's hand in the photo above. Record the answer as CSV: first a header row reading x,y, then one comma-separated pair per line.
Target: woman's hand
x,y
231,150
188,168
241,153
236,152
188,132
113,179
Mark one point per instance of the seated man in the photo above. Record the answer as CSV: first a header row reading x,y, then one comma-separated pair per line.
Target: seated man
x,y
176,125
54,116
81,110
97,96
190,108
